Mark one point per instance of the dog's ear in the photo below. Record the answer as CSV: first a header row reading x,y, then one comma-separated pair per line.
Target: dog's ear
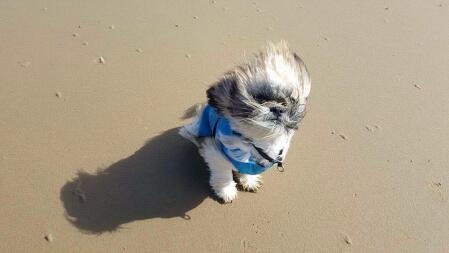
x,y
304,76
220,94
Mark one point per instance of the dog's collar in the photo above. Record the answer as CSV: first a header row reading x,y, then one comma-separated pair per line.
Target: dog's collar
x,y
212,124
262,153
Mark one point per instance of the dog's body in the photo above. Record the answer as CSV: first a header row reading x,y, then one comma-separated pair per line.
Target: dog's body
x,y
250,117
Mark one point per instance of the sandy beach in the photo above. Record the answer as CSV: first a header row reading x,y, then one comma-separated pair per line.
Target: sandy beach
x,y
92,94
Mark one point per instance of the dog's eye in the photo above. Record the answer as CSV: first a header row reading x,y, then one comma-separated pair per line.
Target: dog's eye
x,y
293,128
282,101
261,98
293,100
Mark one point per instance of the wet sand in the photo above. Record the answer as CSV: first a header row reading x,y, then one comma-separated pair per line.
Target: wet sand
x,y
92,92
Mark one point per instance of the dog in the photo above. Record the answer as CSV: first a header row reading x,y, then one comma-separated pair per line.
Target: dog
x,y
249,119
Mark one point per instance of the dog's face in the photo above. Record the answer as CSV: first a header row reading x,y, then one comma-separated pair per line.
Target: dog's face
x,y
265,97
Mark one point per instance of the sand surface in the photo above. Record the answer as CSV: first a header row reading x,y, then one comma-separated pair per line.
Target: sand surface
x,y
91,94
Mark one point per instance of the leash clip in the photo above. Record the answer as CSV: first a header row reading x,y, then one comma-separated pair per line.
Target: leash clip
x,y
280,167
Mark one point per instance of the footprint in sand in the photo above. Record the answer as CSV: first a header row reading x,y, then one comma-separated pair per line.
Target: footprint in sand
x,y
247,246
372,128
79,194
437,187
25,64
341,135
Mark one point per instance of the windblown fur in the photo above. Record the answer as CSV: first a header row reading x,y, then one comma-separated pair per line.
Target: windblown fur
x,y
264,100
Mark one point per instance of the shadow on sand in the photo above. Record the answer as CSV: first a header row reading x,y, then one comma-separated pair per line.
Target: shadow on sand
x,y
165,178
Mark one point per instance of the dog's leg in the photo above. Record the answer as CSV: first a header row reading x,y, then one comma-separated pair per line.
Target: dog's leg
x,y
250,182
221,179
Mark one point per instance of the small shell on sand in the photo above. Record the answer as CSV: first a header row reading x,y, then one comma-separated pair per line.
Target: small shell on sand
x,y
139,50
75,35
347,239
417,86
85,43
111,27
101,60
195,17
344,137
48,237
58,94
188,56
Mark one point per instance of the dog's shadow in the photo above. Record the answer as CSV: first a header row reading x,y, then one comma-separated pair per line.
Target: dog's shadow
x,y
165,178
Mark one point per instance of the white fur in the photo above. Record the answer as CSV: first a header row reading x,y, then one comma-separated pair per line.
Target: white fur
x,y
280,72
281,68
220,168
275,144
221,179
250,182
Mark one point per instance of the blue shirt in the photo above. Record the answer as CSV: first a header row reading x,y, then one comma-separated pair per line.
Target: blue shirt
x,y
211,124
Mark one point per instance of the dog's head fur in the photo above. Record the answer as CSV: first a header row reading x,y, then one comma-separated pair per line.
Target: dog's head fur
x,y
266,96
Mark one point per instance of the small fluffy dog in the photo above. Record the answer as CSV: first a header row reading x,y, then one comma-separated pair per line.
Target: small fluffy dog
x,y
250,117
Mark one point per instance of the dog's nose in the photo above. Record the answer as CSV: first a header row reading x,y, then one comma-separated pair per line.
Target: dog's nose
x,y
277,110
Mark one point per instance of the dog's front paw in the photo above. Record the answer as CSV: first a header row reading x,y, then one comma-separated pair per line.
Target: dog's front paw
x,y
227,194
250,183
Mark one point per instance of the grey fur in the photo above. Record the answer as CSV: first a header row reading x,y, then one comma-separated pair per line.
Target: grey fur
x,y
265,96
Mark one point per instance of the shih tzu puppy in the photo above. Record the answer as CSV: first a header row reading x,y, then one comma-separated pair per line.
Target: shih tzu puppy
x,y
251,115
